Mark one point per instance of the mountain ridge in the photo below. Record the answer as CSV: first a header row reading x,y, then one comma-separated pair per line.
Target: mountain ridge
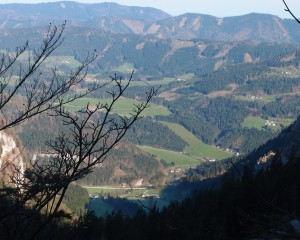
x,y
117,18
77,12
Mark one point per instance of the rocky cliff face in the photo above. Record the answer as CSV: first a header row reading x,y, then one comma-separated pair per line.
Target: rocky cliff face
x,y
11,160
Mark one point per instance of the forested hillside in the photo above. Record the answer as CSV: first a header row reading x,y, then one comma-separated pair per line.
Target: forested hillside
x,y
233,95
246,205
150,56
261,201
251,207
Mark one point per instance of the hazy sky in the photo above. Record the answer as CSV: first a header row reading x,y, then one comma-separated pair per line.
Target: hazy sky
x,y
219,8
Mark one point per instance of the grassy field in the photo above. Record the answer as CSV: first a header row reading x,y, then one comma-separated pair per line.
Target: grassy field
x,y
133,195
259,123
125,68
138,83
104,190
268,98
178,158
153,192
123,106
116,191
196,147
135,82
53,61
254,122
187,76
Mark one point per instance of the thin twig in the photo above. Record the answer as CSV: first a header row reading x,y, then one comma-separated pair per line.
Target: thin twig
x,y
287,9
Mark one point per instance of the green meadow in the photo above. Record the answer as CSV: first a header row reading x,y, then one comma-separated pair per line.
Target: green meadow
x,y
158,82
123,106
103,190
195,146
69,61
259,123
187,76
134,194
116,191
254,122
178,158
125,68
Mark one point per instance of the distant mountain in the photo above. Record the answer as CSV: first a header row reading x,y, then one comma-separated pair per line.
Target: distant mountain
x,y
150,55
260,27
78,14
150,21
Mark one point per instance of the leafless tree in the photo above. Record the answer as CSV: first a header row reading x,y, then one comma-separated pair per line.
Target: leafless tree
x,y
41,93
92,134
26,90
89,136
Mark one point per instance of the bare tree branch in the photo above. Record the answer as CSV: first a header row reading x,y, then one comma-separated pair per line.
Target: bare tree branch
x,y
287,9
41,93
90,134
89,137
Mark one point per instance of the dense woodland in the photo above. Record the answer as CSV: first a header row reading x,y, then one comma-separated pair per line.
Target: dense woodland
x,y
220,120
245,207
76,199
152,133
148,54
125,164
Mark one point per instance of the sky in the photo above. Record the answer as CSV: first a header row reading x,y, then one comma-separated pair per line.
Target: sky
x,y
218,8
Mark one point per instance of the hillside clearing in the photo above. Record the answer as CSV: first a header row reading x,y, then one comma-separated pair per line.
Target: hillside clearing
x,y
196,147
179,159
123,106
260,123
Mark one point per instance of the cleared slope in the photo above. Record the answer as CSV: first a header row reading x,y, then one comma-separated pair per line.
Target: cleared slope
x,y
196,147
